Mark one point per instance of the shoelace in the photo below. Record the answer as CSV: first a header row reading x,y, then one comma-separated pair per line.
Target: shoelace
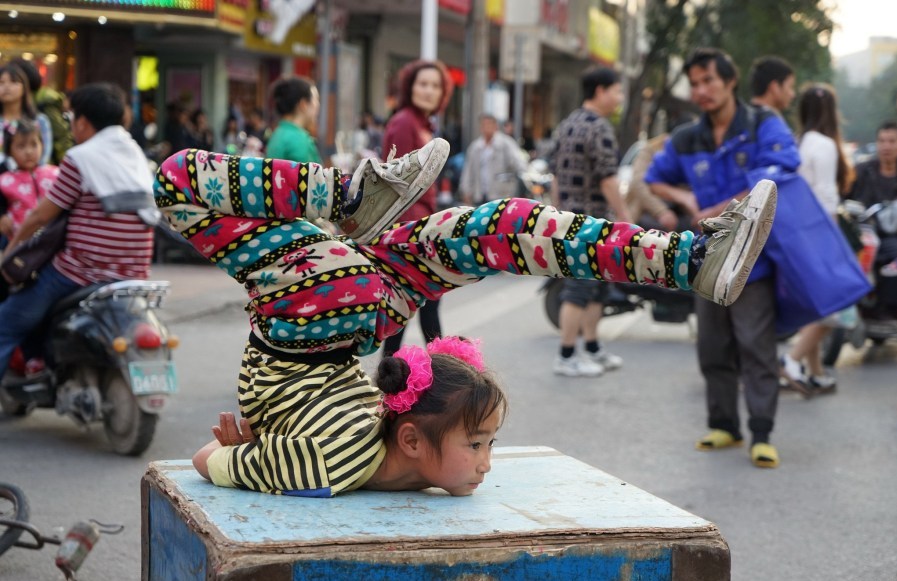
x,y
721,226
392,168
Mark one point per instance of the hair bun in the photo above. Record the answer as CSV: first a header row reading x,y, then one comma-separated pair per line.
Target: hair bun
x,y
392,375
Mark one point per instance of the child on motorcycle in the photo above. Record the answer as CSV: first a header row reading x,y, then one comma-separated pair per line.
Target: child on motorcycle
x,y
313,422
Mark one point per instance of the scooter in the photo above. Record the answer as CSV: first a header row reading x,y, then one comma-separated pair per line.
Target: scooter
x,y
878,310
667,306
108,359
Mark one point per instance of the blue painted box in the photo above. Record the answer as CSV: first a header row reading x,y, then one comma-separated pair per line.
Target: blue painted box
x,y
539,515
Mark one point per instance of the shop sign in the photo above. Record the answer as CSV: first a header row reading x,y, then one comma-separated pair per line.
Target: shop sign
x,y
262,28
204,6
604,36
232,15
495,11
459,6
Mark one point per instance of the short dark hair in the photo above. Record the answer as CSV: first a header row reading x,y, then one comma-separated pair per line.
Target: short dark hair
x,y
702,57
766,70
287,92
102,104
889,125
597,76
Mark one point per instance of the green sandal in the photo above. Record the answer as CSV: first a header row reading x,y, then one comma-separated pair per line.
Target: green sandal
x,y
718,439
764,455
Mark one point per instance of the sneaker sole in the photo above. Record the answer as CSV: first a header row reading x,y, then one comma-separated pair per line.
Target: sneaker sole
x,y
750,238
428,173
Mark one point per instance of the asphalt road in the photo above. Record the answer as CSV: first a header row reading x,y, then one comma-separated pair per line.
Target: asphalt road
x,y
828,513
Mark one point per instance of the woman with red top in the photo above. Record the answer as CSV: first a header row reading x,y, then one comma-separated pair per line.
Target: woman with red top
x,y
425,89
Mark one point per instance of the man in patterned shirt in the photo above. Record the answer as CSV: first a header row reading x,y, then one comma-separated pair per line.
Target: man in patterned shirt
x,y
584,164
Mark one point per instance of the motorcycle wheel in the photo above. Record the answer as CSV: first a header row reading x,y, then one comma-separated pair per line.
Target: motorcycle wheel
x,y
831,346
553,301
13,506
128,428
12,406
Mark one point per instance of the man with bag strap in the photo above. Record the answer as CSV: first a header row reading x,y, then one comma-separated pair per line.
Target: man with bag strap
x,y
105,186
714,155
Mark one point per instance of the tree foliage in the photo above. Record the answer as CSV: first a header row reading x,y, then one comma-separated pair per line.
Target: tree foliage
x,y
863,108
797,30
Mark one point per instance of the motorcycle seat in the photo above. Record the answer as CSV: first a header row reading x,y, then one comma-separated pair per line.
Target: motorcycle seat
x,y
71,301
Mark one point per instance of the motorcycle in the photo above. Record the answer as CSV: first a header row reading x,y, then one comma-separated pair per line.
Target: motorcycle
x,y
108,359
667,306
877,319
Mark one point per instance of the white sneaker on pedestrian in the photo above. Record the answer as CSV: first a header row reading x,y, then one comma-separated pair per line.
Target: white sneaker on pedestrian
x,y
577,367
608,361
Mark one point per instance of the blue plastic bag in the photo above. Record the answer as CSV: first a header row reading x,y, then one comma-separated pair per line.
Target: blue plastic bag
x,y
816,272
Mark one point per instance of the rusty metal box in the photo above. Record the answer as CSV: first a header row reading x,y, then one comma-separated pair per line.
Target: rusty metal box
x,y
540,515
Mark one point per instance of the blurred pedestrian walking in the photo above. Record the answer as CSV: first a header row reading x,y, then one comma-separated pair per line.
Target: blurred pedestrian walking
x,y
584,164
491,165
50,103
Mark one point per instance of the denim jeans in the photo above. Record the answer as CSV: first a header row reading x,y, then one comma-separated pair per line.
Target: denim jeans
x,y
23,311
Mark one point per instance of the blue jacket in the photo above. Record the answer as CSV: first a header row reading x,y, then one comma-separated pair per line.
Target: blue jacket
x,y
757,139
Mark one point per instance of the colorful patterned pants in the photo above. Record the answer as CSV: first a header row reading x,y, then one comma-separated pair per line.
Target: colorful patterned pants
x,y
312,291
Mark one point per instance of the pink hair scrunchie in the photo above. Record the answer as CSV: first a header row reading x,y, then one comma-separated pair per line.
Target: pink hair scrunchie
x,y
420,377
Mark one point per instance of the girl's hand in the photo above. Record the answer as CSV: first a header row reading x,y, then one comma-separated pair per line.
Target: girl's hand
x,y
228,434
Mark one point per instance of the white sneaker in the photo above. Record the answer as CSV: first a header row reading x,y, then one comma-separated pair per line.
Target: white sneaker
x,y
577,367
391,188
608,361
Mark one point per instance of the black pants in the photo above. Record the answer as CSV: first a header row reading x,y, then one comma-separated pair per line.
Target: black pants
x,y
429,326
739,342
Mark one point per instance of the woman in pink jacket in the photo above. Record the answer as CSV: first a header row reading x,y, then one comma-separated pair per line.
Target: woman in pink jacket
x,y
425,89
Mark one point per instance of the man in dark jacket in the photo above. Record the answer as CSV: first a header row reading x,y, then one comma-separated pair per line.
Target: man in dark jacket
x,y
714,157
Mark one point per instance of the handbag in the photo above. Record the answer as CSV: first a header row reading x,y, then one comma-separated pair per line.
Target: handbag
x,y
22,264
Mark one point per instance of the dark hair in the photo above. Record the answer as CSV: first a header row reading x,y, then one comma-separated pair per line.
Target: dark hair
x,y
31,72
19,76
889,125
702,57
818,111
102,104
289,92
408,74
594,77
21,127
194,117
459,395
766,70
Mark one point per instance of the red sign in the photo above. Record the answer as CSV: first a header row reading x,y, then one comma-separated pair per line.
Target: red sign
x,y
459,6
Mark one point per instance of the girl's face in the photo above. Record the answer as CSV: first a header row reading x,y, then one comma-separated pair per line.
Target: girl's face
x,y
426,92
465,459
26,150
11,91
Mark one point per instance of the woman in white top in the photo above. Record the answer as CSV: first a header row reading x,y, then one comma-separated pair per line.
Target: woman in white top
x,y
825,168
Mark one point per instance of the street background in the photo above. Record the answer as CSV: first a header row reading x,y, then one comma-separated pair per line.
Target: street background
x,y
829,512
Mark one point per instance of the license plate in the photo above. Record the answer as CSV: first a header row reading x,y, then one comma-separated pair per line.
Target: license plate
x,y
152,377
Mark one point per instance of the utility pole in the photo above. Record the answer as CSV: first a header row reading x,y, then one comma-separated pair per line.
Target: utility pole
x,y
478,75
429,29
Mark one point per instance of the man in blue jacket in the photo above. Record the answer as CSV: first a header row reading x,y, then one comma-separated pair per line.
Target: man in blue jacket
x,y
716,156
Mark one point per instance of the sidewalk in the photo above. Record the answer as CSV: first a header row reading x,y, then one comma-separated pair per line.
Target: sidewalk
x,y
196,290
